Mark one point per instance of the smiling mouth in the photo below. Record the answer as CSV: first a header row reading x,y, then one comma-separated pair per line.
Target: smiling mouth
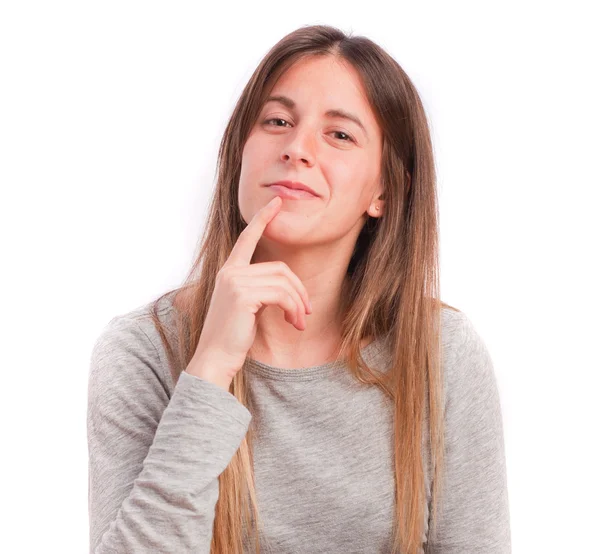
x,y
292,194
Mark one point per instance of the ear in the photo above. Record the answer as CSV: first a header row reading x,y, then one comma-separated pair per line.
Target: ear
x,y
376,207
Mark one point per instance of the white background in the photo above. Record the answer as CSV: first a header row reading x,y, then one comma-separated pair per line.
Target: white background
x,y
110,118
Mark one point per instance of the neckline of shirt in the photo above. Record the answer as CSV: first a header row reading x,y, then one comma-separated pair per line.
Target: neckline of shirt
x,y
306,373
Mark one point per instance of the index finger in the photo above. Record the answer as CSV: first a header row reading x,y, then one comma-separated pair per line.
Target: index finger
x,y
243,249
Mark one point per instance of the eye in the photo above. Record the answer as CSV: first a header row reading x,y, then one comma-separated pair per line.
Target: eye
x,y
275,119
348,139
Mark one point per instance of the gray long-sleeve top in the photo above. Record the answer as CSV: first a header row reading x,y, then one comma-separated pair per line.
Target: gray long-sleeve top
x,y
323,450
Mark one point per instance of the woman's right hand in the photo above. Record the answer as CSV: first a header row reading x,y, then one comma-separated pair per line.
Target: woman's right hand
x,y
242,291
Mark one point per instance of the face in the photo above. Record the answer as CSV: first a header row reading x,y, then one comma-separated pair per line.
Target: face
x,y
335,156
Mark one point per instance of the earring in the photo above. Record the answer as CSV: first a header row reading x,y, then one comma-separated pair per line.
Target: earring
x,y
377,207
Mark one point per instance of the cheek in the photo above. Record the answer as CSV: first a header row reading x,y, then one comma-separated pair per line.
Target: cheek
x,y
256,150
252,172
349,182
250,157
248,184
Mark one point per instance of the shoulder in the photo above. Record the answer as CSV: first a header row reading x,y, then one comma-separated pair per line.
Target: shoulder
x,y
129,350
460,338
468,367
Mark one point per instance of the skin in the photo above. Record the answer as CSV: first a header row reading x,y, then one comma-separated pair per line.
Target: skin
x,y
314,237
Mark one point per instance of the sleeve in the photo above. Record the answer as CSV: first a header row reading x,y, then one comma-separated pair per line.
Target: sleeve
x,y
154,462
473,515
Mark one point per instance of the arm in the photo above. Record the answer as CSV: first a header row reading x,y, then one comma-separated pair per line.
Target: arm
x,y
473,516
154,462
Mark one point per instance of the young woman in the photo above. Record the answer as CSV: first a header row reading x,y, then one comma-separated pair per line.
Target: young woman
x,y
305,390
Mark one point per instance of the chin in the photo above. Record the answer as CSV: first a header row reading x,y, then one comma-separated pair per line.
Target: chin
x,y
284,230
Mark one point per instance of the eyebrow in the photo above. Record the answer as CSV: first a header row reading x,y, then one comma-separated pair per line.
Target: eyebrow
x,y
289,103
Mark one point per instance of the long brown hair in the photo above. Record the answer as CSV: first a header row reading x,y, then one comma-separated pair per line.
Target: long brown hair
x,y
392,288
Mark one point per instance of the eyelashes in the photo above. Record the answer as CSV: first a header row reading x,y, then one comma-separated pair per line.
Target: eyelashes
x,y
349,139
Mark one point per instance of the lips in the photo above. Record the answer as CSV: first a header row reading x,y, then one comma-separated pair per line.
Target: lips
x,y
292,194
293,185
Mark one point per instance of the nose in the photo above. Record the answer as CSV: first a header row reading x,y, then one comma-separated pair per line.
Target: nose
x,y
300,147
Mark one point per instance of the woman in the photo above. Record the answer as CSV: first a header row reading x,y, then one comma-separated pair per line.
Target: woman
x,y
305,390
